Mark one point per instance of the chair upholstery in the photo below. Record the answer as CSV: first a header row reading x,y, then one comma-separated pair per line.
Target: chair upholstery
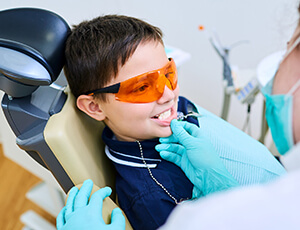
x,y
75,140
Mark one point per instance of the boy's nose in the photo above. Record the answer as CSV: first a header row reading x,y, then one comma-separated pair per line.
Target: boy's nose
x,y
167,96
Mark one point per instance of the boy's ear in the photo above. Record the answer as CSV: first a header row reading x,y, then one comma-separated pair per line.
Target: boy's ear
x,y
90,106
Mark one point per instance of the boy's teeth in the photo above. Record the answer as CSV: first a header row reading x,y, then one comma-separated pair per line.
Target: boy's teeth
x,y
164,115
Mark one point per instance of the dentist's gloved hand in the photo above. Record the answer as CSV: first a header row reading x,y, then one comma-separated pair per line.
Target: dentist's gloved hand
x,y
189,149
82,214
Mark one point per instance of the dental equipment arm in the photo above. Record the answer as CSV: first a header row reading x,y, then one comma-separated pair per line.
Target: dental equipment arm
x,y
195,155
80,213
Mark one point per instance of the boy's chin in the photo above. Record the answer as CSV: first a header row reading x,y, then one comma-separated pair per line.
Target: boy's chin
x,y
167,132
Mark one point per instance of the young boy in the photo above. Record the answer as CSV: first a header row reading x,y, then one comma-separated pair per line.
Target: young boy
x,y
117,68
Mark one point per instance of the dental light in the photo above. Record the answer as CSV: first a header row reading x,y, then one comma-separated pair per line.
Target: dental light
x,y
30,49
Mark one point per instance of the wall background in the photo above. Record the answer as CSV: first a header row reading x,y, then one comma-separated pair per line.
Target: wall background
x,y
267,25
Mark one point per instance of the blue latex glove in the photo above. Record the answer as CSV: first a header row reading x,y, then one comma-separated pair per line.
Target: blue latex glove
x,y
195,155
80,213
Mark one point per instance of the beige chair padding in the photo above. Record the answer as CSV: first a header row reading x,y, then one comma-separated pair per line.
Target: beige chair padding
x,y
75,140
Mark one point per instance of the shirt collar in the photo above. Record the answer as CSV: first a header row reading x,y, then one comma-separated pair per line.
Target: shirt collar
x,y
128,153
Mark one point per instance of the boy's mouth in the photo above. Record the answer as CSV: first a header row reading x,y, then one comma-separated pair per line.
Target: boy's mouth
x,y
163,116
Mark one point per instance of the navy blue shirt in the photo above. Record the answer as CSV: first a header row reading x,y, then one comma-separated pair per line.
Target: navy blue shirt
x,y
145,203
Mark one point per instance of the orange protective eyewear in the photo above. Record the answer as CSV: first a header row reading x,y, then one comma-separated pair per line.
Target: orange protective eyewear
x,y
144,88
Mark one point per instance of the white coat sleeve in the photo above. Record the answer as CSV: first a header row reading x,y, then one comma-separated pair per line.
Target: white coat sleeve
x,y
271,206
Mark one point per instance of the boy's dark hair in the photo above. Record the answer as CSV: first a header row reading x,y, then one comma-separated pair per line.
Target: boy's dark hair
x,y
96,49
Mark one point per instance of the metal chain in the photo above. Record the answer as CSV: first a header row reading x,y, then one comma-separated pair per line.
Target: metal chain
x,y
151,175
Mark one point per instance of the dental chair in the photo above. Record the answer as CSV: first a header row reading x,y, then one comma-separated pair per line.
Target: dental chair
x,y
42,114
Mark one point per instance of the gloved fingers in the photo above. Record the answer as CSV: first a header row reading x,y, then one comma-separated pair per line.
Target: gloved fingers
x,y
169,139
177,127
178,130
98,197
70,202
171,156
176,148
60,219
117,219
191,128
83,194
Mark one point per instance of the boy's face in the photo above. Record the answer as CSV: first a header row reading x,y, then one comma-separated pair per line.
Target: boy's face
x,y
139,121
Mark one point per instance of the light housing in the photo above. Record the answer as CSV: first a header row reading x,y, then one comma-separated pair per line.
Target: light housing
x,y
32,45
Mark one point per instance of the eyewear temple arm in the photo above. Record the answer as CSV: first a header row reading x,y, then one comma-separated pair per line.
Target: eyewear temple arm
x,y
110,89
